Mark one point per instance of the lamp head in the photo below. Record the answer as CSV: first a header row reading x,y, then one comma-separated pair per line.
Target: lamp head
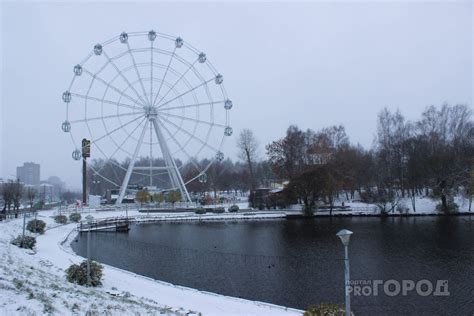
x,y
345,236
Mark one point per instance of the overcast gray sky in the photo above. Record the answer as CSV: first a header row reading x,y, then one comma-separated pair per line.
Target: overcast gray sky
x,y
310,64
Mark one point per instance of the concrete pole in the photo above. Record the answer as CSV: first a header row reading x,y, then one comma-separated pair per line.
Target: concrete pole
x,y
89,282
347,280
24,226
84,181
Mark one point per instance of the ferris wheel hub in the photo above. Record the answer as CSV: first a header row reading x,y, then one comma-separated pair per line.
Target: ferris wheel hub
x,y
150,112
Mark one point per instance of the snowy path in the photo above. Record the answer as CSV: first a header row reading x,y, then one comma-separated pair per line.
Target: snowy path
x,y
53,293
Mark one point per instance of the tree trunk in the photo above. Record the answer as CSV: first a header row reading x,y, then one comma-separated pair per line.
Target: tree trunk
x,y
444,203
249,162
413,200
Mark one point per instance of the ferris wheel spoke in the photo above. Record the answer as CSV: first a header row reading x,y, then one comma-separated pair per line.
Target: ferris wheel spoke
x,y
151,72
164,76
191,105
186,92
151,154
88,97
104,117
136,68
189,134
96,77
176,82
122,144
193,120
181,147
104,178
124,78
112,162
116,129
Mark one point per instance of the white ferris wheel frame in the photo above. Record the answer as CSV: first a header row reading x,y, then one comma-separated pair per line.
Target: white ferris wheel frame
x,y
150,109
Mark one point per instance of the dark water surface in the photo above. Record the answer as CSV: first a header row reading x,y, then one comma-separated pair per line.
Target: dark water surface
x,y
297,263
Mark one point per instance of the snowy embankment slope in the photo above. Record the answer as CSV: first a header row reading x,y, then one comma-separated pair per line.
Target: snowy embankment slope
x,y
35,283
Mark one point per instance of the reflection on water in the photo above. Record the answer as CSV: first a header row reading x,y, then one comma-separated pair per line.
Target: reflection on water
x,y
299,262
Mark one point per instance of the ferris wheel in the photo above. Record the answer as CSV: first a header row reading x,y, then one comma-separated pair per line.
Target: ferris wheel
x,y
154,109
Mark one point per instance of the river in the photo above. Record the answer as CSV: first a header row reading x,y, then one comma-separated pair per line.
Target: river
x,y
299,262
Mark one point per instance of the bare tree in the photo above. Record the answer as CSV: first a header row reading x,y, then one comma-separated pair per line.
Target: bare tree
x,y
248,146
447,132
7,195
393,132
17,193
31,195
291,155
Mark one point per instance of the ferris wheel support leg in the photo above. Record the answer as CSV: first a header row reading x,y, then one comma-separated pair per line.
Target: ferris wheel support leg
x,y
123,188
173,171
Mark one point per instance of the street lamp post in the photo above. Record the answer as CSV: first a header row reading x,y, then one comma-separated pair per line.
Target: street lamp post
x,y
345,236
89,223
24,226
36,217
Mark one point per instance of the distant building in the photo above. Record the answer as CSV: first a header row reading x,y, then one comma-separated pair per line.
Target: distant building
x,y
29,173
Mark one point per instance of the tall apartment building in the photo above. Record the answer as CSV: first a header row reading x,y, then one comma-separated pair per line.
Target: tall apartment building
x,y
29,173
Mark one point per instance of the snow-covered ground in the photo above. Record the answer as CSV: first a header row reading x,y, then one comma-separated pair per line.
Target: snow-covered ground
x,y
34,282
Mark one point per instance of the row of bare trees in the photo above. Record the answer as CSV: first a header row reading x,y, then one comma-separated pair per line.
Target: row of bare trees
x,y
434,153
13,192
227,175
431,156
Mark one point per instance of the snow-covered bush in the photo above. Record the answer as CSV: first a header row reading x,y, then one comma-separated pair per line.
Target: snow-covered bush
x,y
234,208
77,273
75,217
36,226
218,210
60,219
200,210
325,310
26,242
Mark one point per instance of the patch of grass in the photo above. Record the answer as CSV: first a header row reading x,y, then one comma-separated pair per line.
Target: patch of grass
x,y
31,294
325,309
47,303
55,287
75,307
17,283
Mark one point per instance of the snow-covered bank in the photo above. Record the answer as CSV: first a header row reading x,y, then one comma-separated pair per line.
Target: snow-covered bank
x,y
404,206
35,283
